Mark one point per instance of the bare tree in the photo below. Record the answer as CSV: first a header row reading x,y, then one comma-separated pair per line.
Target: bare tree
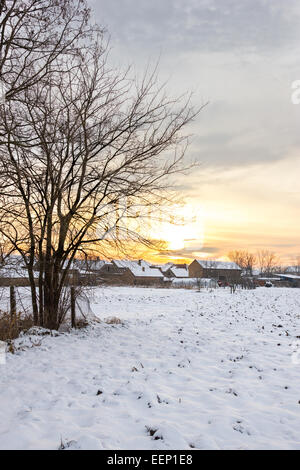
x,y
267,261
86,151
34,34
244,259
297,264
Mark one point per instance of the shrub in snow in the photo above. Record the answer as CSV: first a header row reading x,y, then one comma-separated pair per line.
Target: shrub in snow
x,y
11,326
113,321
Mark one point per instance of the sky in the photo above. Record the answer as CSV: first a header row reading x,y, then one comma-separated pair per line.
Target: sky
x,y
240,56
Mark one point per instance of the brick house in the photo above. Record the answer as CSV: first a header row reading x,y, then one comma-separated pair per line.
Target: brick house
x,y
139,273
95,272
221,270
118,272
163,267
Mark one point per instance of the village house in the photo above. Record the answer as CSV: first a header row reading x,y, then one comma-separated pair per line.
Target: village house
x,y
14,273
162,267
118,272
97,271
225,271
139,273
105,272
292,280
176,272
10,275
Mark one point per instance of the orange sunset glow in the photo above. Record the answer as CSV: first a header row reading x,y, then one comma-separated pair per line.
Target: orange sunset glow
x,y
226,214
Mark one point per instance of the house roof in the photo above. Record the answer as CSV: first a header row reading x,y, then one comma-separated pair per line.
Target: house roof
x,y
163,267
289,276
211,264
139,270
14,272
96,264
144,263
179,272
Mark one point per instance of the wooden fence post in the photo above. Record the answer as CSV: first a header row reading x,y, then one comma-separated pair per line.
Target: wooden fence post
x,y
13,303
73,307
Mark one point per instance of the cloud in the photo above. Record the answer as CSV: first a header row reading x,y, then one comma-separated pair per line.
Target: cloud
x,y
241,56
207,25
191,253
238,55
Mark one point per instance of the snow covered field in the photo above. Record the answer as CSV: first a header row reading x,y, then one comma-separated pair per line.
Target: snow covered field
x,y
206,370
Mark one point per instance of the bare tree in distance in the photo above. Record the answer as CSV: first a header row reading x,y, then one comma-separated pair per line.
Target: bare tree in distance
x,y
267,261
244,259
84,152
297,264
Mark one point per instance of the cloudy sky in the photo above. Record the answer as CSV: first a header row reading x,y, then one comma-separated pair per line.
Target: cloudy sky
x,y
242,57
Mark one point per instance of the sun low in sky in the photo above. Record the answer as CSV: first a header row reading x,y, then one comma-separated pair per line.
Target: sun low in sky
x,y
242,58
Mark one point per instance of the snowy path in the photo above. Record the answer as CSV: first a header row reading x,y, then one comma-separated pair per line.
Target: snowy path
x,y
207,370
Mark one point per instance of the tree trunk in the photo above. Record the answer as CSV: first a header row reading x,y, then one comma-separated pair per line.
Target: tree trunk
x,y
13,304
73,307
33,296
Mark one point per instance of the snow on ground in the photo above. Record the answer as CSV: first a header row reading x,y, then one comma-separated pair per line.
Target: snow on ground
x,y
206,370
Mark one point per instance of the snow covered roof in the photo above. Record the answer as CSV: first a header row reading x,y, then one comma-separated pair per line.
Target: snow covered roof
x,y
13,272
139,270
179,272
144,263
163,267
96,264
211,264
289,276
74,264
